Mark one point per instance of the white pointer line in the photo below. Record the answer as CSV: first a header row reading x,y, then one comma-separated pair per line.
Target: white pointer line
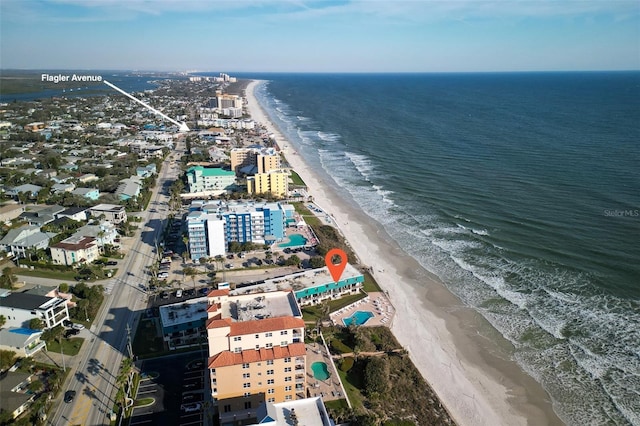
x,y
183,127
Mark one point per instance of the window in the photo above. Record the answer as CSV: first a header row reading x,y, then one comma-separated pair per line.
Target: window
x,y
257,347
237,350
247,405
270,391
287,369
270,381
287,379
245,366
246,375
268,334
237,338
246,385
269,345
284,343
246,394
287,388
288,398
227,408
257,336
269,362
269,372
284,332
287,359
272,400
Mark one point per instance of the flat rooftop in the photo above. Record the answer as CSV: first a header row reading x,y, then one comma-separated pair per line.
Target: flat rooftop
x,y
184,312
300,280
250,307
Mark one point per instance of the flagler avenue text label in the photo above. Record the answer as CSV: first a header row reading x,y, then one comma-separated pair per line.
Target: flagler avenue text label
x,y
58,78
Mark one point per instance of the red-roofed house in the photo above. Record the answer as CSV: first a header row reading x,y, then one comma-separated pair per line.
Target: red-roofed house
x,y
256,351
75,249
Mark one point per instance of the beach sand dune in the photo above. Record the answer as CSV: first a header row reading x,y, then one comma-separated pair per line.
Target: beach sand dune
x,y
460,355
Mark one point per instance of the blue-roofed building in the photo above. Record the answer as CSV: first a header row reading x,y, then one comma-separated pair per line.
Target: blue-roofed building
x,y
23,341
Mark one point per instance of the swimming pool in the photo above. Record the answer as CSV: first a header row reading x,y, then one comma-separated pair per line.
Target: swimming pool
x,y
295,240
357,318
320,370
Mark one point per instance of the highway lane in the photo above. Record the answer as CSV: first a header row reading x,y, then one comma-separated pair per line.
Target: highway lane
x,y
93,377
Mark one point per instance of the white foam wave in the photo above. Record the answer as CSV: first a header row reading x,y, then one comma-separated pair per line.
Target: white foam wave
x,y
328,137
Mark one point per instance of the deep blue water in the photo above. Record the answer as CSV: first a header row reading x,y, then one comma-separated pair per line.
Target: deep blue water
x,y
520,191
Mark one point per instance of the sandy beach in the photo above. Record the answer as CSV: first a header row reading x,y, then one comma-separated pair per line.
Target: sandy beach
x,y
460,355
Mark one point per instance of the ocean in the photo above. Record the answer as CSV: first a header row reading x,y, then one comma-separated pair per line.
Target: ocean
x,y
520,191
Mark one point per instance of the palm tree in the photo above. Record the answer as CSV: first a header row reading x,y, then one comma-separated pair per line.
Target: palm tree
x,y
192,272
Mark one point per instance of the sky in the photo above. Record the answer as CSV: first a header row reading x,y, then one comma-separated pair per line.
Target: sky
x,y
320,36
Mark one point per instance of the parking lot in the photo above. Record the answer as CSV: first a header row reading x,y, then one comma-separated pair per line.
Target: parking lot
x,y
177,384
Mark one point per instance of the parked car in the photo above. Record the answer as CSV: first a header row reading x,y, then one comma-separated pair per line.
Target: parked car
x,y
78,326
164,295
69,395
70,332
67,323
178,293
111,263
190,408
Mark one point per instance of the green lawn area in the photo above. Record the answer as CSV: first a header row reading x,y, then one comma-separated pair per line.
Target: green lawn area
x,y
352,381
143,402
46,273
296,179
312,313
69,346
370,284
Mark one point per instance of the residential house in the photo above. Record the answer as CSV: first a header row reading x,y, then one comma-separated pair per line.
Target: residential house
x,y
20,308
62,187
89,177
104,233
75,249
129,188
90,193
79,214
15,399
26,238
112,212
23,341
27,188
146,171
39,215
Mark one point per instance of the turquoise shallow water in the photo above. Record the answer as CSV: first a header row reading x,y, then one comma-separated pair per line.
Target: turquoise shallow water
x,y
357,318
520,191
295,240
320,371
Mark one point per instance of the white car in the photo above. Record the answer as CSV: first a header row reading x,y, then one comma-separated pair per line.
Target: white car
x,y
77,326
190,408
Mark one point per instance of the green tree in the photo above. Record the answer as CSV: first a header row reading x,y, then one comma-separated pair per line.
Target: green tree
x,y
3,320
191,272
7,279
63,288
293,261
36,324
376,376
6,359
316,262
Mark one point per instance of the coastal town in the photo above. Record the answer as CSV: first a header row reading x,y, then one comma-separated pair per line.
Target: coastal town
x,y
153,275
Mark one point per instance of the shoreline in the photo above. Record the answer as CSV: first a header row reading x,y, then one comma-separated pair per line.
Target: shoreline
x,y
462,357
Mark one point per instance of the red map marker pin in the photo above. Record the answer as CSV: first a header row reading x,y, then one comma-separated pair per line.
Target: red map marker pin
x,y
336,270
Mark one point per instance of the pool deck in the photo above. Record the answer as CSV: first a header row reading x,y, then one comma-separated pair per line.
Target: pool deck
x,y
329,389
376,302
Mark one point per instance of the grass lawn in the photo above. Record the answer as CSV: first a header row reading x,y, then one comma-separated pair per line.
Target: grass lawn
x,y
352,381
69,346
312,313
143,402
296,179
336,404
370,284
45,273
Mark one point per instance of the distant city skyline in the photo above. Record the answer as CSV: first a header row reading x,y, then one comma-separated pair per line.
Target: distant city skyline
x,y
320,36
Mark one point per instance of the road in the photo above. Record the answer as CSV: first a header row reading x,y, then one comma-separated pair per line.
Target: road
x,y
93,377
